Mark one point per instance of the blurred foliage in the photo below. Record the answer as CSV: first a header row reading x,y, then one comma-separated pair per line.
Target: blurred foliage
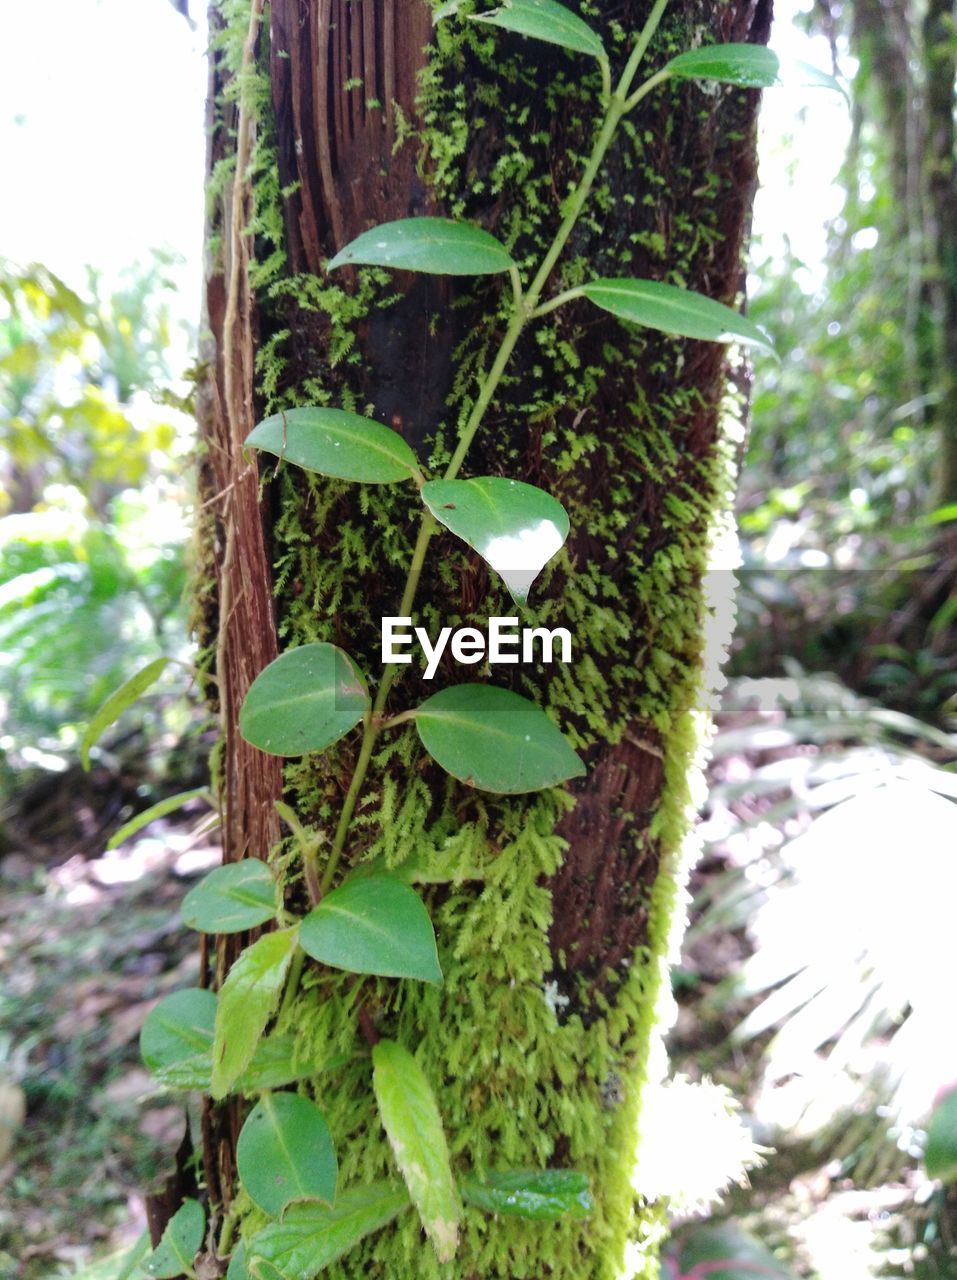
x,y
94,442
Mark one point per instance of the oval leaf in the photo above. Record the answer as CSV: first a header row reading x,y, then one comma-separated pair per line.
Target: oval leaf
x,y
336,443
231,898
118,701
273,1066
311,1236
940,1154
677,311
516,528
306,700
412,1123
495,740
285,1153
373,924
548,21
246,1003
179,1244
531,1193
724,1252
178,1029
437,246
746,65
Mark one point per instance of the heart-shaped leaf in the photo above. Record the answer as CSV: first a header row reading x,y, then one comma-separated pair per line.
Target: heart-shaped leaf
x,y
336,443
246,1003
495,740
179,1244
231,898
410,1116
746,65
305,700
437,246
677,311
531,1193
515,527
285,1153
311,1236
178,1030
548,21
118,701
373,924
940,1154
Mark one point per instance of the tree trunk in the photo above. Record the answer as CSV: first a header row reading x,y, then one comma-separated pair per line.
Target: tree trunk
x,y
554,912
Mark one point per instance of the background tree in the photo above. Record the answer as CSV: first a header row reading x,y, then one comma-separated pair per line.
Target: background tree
x,y
553,912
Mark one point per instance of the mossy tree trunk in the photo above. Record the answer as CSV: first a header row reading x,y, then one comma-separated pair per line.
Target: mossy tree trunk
x,y
553,911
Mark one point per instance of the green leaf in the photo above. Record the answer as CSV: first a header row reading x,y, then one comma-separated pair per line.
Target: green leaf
x,y
437,246
246,1003
336,443
306,700
178,1029
744,1256
812,77
311,1236
373,924
940,1154
515,527
495,740
231,898
179,1244
285,1153
118,701
677,311
272,1067
158,810
548,21
746,65
237,1269
413,1125
531,1193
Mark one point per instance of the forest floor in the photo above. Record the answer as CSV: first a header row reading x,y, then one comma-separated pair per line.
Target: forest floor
x,y
90,941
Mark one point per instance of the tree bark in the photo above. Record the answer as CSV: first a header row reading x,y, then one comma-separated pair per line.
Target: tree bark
x,y
554,912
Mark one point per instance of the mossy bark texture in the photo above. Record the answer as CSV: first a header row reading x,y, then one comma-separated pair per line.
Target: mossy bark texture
x,y
553,911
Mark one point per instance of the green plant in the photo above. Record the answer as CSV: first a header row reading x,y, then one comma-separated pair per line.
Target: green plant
x,y
372,921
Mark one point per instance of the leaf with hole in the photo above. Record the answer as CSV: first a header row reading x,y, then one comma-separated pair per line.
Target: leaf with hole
x,y
940,1153
749,66
495,740
179,1244
336,443
246,1003
676,311
436,246
285,1153
118,701
305,700
515,527
311,1236
373,924
231,898
159,810
531,1193
410,1116
178,1030
548,21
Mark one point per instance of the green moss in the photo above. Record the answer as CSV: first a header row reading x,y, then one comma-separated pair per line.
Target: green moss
x,y
524,1073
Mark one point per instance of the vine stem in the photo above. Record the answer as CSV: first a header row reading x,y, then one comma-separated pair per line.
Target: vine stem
x,y
523,310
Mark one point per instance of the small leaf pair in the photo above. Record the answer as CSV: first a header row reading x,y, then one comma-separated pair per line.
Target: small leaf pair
x,y
490,738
